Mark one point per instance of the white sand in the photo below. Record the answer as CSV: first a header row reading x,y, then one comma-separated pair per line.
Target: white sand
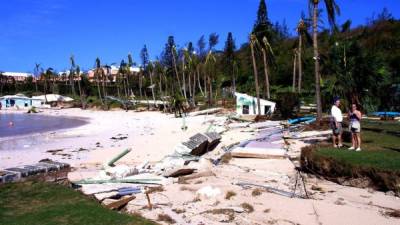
x,y
151,135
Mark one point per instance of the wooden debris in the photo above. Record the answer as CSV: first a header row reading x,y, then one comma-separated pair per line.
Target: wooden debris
x,y
177,172
120,203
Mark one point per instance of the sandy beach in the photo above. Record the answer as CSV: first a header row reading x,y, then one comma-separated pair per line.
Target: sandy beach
x,y
153,135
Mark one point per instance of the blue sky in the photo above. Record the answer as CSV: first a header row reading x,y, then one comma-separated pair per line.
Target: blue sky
x,y
49,31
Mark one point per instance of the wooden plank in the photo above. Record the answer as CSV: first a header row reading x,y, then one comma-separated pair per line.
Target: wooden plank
x,y
119,203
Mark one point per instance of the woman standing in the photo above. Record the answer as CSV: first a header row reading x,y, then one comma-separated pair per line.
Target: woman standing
x,y
355,128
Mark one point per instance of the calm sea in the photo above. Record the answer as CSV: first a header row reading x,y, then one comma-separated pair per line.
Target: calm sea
x,y
23,124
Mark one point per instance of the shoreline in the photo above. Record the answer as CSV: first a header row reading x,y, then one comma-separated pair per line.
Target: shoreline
x,y
151,135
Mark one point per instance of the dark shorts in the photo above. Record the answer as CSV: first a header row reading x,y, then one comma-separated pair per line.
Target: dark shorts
x,y
336,130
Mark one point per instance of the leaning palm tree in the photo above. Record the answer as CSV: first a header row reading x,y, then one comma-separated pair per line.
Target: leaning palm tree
x,y
253,42
332,9
98,72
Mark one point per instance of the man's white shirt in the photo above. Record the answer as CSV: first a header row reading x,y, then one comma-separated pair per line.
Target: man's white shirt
x,y
337,114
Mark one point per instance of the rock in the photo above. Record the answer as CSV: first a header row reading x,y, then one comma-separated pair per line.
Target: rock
x,y
390,193
121,171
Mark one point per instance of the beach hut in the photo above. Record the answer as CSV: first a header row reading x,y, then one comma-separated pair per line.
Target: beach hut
x,y
247,105
18,101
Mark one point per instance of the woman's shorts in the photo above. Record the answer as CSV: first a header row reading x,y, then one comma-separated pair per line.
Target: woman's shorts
x,y
355,127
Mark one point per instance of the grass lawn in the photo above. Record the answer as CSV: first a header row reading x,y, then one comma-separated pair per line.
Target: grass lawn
x,y
381,150
376,166
37,203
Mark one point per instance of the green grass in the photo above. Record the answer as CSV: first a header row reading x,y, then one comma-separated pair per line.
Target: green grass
x,y
381,150
31,203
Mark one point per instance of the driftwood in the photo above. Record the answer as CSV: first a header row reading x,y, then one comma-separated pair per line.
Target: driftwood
x,y
208,173
256,155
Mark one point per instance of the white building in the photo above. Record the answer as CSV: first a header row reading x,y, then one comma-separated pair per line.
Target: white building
x,y
247,105
17,75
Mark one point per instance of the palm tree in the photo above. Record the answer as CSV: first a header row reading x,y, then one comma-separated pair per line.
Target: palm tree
x,y
266,50
98,72
72,74
332,9
78,72
301,30
173,51
37,73
253,42
210,66
150,68
47,75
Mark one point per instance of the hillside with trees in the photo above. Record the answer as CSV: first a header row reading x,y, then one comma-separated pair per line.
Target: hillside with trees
x,y
312,65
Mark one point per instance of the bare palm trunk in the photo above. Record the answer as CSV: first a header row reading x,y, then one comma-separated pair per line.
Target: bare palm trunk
x,y
256,78
300,63
316,58
198,80
152,88
266,73
71,81
183,78
233,79
140,85
294,71
209,91
80,92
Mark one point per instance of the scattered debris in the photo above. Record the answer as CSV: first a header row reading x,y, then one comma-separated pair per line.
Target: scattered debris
x,y
247,207
120,203
165,218
208,192
229,195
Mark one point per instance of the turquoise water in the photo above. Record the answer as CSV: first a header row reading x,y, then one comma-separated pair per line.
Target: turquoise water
x,y
16,124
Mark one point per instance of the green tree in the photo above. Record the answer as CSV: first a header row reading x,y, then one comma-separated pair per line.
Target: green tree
x,y
229,55
262,27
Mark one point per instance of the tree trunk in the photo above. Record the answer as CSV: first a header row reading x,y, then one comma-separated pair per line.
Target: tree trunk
x,y
71,81
266,74
316,58
80,92
176,73
152,88
233,79
294,71
198,80
98,89
300,63
256,78
183,78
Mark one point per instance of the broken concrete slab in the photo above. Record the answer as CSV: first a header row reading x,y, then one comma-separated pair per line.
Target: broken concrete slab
x,y
262,153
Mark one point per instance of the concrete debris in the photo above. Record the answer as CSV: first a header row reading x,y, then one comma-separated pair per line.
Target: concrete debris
x,y
206,112
121,171
45,169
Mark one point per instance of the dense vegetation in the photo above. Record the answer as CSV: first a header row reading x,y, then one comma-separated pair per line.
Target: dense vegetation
x,y
48,203
359,64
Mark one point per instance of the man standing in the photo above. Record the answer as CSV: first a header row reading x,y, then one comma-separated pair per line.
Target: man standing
x,y
336,123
